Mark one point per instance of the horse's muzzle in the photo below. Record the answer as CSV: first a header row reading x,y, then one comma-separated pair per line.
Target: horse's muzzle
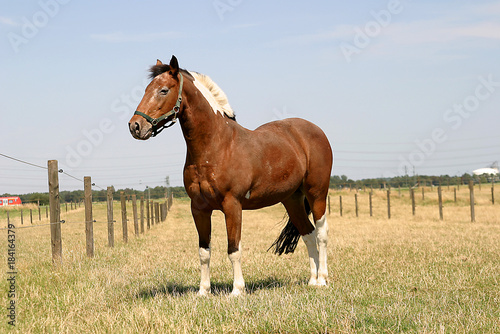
x,y
138,131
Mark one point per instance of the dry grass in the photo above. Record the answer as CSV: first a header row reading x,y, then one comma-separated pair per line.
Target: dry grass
x,y
407,274
11,208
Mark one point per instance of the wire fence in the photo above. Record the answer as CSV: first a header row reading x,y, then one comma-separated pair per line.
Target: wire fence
x,y
149,213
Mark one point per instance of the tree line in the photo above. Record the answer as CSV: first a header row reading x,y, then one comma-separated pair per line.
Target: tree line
x,y
101,195
342,181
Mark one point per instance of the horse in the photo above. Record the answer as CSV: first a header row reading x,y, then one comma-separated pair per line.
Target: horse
x,y
230,168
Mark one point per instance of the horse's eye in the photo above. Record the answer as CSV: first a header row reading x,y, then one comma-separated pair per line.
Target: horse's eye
x,y
163,91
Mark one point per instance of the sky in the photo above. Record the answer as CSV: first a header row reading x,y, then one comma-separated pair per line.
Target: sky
x,y
399,87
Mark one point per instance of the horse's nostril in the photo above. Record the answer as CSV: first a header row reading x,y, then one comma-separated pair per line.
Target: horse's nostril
x,y
134,128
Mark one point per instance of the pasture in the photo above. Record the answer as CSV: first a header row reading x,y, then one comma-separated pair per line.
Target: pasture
x,y
414,274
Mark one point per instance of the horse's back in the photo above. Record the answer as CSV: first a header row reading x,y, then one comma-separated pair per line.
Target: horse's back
x,y
308,136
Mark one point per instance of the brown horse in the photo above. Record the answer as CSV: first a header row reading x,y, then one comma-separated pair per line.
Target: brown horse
x,y
230,168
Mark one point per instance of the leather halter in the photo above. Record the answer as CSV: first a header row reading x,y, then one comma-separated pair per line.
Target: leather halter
x,y
175,110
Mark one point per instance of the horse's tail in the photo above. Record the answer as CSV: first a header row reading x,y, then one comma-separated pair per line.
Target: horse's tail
x,y
289,238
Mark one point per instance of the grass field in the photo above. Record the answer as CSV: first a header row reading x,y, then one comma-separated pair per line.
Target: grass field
x,y
412,274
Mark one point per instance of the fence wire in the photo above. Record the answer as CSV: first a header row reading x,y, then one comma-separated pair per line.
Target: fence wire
x,y
60,222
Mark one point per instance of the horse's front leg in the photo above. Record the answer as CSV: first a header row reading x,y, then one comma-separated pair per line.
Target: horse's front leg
x,y
203,222
232,211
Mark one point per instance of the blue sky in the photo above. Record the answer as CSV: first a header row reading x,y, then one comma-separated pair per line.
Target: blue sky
x,y
397,86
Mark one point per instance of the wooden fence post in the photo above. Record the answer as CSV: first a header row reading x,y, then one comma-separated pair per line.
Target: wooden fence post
x,y
161,212
492,192
147,214
371,207
46,212
142,214
55,213
412,195
164,213
152,213
134,211
157,212
389,204
356,203
340,202
440,202
471,190
170,200
89,220
39,213
455,194
124,216
111,225
31,216
22,220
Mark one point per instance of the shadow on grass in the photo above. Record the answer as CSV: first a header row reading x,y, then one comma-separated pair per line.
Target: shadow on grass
x,y
218,289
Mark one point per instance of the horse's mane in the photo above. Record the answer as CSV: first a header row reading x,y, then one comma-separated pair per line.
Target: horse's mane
x,y
210,90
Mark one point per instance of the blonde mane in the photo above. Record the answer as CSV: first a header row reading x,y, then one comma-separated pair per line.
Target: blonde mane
x,y
214,95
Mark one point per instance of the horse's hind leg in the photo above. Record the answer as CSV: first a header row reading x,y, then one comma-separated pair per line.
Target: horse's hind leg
x,y
298,214
318,208
322,240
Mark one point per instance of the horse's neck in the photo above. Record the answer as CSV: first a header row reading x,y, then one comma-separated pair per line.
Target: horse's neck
x,y
205,132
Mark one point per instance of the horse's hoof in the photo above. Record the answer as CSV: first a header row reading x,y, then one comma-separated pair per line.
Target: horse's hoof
x,y
203,293
237,293
321,282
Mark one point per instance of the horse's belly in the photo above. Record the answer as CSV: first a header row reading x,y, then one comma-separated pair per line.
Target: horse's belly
x,y
270,193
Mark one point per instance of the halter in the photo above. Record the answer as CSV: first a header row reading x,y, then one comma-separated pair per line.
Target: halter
x,y
155,121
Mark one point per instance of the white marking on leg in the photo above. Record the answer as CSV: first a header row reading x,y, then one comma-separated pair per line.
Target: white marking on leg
x,y
205,271
312,250
239,282
322,238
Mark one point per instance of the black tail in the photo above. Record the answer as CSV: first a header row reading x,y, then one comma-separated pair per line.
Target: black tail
x,y
289,237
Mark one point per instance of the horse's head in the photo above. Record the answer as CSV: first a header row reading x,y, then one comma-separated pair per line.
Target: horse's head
x,y
161,101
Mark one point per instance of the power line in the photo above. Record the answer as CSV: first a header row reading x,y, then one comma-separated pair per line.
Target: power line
x,y
462,149
46,168
21,161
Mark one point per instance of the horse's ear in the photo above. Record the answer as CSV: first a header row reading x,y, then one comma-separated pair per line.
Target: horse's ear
x,y
174,65
158,62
